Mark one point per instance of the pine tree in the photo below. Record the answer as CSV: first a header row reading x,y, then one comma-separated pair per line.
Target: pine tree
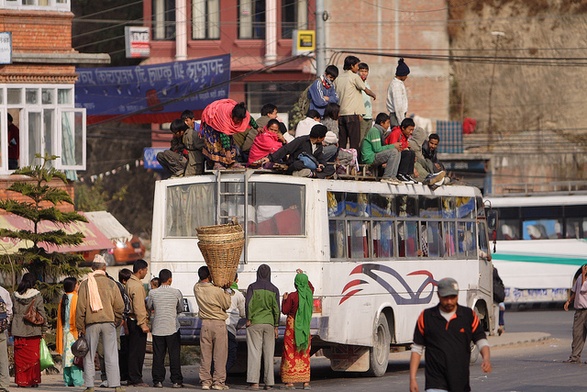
x,y
40,202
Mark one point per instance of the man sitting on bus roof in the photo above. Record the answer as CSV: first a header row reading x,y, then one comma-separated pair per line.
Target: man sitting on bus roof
x,y
376,154
304,155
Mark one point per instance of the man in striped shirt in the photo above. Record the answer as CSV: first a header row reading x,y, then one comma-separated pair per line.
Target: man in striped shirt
x,y
167,303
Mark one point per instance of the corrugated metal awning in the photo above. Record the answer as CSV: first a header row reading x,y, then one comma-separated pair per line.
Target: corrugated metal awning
x,y
109,225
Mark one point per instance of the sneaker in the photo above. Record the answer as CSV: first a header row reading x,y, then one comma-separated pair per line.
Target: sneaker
x,y
302,173
104,384
177,385
408,176
446,181
157,385
391,180
206,387
572,361
434,178
405,178
220,387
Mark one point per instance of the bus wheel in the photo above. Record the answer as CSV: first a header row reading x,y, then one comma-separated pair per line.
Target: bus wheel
x,y
379,353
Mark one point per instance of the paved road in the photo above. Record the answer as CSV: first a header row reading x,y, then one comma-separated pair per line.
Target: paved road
x,y
525,359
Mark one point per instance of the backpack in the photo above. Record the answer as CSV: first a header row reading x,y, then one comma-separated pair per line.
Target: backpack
x,y
300,108
4,322
498,287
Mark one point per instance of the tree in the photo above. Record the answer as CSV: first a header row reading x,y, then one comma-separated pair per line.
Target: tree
x,y
37,201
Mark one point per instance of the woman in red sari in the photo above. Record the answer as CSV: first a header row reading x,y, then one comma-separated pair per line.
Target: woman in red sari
x,y
27,336
297,306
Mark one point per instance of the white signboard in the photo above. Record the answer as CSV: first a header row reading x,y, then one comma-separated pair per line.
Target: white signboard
x,y
5,47
137,42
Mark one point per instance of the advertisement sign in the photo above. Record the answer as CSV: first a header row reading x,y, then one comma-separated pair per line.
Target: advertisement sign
x,y
150,157
153,89
137,42
304,41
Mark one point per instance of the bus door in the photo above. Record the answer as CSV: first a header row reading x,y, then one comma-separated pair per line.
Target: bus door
x,y
485,272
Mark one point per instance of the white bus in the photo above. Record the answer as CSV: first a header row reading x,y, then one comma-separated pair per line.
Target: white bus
x,y
541,243
373,251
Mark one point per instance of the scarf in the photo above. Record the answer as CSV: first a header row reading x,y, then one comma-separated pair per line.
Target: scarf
x,y
304,313
326,82
94,294
218,115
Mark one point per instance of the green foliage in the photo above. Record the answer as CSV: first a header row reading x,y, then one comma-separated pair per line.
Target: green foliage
x,y
42,205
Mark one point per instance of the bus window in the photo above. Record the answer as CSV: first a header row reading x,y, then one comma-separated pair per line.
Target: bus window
x,y
448,207
465,207
357,204
188,207
467,240
448,234
279,208
435,248
382,206
429,207
335,204
358,241
383,239
576,228
542,229
407,206
508,229
409,244
337,239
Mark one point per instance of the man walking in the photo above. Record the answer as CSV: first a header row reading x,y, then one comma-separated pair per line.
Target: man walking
x,y
99,311
138,323
167,302
579,299
212,303
262,309
446,331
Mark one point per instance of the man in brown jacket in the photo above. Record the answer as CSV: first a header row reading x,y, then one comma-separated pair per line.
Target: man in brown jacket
x,y
138,324
99,311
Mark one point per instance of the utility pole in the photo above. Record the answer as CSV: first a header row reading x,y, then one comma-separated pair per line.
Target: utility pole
x,y
321,18
496,34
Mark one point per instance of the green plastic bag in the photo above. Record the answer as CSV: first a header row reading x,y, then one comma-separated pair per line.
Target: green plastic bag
x,y
45,356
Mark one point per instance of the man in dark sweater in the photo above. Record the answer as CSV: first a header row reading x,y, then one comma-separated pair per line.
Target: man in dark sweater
x,y
304,156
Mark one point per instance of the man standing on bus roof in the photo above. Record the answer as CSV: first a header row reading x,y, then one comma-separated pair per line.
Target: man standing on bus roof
x,y
579,299
446,331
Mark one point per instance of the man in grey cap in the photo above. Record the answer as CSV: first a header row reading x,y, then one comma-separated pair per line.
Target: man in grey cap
x,y
446,331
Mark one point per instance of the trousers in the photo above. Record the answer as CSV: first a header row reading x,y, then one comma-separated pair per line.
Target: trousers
x,y
109,341
260,343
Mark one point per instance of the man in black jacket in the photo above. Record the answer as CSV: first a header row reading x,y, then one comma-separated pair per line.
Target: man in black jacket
x,y
303,155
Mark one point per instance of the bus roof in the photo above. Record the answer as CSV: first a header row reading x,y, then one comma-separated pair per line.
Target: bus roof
x,y
537,201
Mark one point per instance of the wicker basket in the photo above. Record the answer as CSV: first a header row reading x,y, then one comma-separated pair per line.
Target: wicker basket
x,y
220,233
222,260
221,246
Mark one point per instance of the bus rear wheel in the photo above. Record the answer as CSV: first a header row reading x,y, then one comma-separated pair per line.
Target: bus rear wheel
x,y
379,353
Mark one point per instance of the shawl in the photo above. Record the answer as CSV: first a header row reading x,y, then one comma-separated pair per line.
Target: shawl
x,y
72,328
218,115
94,294
304,313
266,142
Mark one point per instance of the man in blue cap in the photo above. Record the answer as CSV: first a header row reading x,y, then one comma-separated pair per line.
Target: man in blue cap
x,y
446,331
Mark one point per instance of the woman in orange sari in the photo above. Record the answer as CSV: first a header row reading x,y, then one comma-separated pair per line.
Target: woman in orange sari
x,y
297,306
66,333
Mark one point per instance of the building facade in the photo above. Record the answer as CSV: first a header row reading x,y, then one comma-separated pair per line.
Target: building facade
x,y
37,86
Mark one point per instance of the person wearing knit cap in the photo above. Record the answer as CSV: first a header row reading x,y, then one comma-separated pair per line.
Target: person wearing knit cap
x,y
397,96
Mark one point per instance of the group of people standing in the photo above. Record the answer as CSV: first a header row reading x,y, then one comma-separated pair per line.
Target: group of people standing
x,y
262,312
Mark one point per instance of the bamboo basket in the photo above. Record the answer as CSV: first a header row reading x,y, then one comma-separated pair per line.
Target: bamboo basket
x,y
221,247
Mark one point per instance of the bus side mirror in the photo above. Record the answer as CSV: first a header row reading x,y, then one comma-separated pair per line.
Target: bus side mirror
x,y
492,218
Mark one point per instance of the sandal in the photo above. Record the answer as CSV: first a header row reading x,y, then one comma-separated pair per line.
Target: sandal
x,y
253,388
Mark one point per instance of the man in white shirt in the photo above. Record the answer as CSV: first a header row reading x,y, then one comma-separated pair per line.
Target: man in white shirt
x,y
397,96
235,313
305,126
579,299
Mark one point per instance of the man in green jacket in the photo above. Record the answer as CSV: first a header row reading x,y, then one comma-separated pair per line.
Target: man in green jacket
x,y
262,309
374,153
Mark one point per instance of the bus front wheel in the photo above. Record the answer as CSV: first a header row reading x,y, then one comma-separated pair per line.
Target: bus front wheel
x,y
379,353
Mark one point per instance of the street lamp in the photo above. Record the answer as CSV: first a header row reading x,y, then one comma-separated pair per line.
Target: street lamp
x,y
498,35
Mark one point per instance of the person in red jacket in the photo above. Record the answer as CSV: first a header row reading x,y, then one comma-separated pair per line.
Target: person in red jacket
x,y
399,137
